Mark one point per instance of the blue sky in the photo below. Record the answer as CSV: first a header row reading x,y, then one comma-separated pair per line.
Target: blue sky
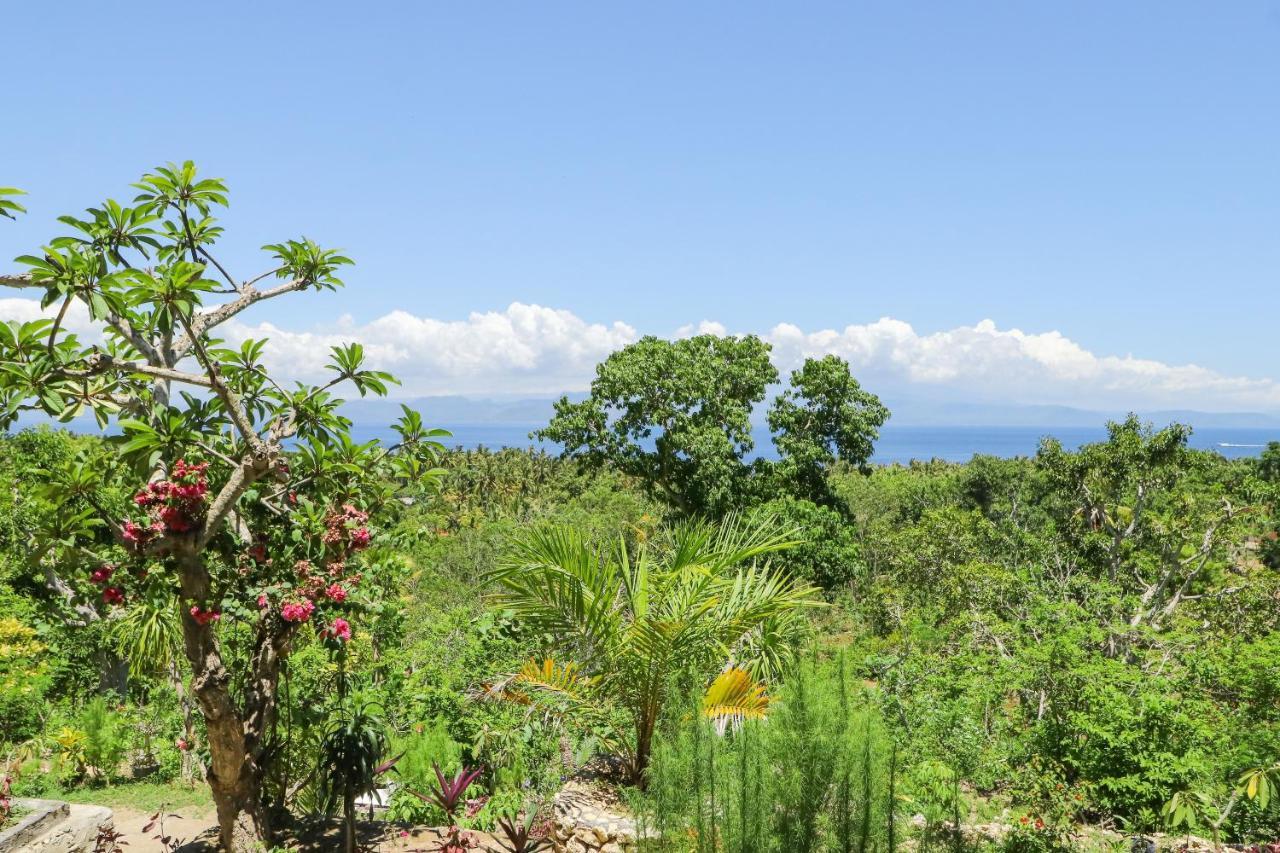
x,y
1108,171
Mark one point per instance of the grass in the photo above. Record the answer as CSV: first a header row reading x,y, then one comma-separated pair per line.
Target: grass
x,y
15,814
143,796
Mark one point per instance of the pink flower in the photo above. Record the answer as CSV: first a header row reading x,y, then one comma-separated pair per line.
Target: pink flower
x,y
102,574
262,601
339,629
297,611
337,592
204,617
133,533
113,595
360,538
175,519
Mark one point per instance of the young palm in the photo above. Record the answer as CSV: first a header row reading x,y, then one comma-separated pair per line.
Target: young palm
x,y
700,600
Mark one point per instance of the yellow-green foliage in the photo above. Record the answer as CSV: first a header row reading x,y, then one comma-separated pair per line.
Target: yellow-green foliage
x,y
22,680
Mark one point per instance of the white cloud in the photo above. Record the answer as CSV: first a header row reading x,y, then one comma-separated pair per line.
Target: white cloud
x,y
525,349
531,349
1014,366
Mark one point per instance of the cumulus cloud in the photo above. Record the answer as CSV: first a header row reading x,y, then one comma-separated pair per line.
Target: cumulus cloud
x,y
1014,366
526,349
532,349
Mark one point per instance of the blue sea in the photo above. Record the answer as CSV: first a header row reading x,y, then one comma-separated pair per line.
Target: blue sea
x,y
902,444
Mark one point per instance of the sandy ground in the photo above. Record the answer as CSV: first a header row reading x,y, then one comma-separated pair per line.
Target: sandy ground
x,y
198,829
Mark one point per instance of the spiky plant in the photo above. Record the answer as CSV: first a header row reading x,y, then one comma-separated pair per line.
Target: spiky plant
x,y
351,762
518,834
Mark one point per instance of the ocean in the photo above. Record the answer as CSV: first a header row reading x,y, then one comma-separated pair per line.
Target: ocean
x,y
898,444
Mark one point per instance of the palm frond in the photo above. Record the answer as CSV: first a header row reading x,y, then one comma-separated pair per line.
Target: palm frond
x,y
735,541
553,582
149,635
734,697
551,677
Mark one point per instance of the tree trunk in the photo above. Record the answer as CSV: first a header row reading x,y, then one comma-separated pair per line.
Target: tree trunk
x,y
242,819
235,770
349,821
644,744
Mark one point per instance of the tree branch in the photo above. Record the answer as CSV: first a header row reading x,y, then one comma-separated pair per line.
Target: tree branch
x,y
206,320
244,475
18,280
229,398
101,362
120,324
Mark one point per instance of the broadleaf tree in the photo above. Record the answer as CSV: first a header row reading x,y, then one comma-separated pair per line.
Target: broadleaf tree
x,y
674,414
823,416
677,415
247,501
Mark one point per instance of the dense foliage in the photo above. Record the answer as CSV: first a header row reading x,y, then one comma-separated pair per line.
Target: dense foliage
x,y
228,589
973,606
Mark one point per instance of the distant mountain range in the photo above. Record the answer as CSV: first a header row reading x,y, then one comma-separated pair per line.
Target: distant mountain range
x,y
906,412
531,412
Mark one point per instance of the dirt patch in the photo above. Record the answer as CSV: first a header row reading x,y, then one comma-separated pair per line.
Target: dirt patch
x,y
199,831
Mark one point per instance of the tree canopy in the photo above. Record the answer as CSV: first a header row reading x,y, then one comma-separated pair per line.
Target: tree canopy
x,y
677,415
244,500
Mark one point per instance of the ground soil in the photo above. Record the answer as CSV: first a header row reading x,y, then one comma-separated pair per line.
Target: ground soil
x,y
198,829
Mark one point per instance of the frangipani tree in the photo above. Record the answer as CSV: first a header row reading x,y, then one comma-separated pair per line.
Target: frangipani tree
x,y
702,601
247,500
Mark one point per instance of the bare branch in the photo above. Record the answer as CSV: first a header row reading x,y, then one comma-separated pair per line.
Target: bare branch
x,y
249,294
229,398
244,475
101,362
18,280
231,281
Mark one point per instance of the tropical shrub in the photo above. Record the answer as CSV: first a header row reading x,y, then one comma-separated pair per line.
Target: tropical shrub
x,y
246,502
23,681
816,776
694,602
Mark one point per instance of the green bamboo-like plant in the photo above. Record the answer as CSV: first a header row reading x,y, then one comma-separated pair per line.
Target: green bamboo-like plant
x,y
700,600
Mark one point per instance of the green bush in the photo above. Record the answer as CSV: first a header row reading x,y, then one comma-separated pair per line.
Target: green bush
x,y
105,739
20,715
827,555
816,775
427,745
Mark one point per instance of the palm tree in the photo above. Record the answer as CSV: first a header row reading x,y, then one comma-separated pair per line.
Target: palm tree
x,y
698,601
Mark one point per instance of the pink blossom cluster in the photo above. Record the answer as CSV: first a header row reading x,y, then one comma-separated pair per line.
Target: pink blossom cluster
x,y
347,529
339,629
297,611
204,617
175,505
